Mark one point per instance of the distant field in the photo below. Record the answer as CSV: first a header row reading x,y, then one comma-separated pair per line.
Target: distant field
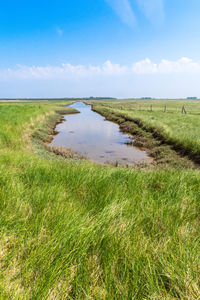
x,y
72,229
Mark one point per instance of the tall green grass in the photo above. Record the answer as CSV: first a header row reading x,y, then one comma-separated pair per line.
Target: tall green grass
x,y
76,230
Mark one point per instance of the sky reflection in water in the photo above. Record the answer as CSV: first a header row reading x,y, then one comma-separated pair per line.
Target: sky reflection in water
x,y
90,134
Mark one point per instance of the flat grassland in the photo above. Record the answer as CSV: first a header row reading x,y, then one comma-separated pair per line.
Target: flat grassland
x,y
166,117
72,229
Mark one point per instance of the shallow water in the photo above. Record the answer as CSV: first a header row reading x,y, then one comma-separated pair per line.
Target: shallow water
x,y
88,133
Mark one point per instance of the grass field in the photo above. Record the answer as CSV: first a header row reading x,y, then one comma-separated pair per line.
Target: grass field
x,y
71,229
180,130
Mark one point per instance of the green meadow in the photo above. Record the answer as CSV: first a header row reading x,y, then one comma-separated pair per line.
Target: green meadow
x,y
177,128
73,229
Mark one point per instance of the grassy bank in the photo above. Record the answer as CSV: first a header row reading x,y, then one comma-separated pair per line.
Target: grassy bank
x,y
71,229
171,127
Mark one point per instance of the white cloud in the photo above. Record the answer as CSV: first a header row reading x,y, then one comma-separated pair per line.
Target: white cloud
x,y
144,66
153,9
166,78
66,70
107,69
110,68
124,10
182,65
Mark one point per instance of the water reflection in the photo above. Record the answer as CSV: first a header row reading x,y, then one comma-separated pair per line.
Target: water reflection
x,y
90,134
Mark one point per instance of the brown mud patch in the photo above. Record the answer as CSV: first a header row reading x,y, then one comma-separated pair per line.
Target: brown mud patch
x,y
64,152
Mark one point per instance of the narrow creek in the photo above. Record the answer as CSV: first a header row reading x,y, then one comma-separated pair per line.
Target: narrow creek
x,y
88,133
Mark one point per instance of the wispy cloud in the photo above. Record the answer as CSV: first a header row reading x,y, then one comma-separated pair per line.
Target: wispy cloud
x,y
153,10
65,71
59,31
108,69
124,10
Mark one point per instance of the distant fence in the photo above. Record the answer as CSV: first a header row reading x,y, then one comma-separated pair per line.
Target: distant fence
x,y
154,108
183,110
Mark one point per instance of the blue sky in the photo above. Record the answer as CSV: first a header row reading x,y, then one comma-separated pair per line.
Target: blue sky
x,y
122,48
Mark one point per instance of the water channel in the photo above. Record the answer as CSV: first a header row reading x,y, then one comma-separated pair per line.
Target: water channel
x,y
88,133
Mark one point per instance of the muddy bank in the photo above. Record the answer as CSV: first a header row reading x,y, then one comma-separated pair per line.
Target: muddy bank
x,y
64,152
61,113
165,153
44,135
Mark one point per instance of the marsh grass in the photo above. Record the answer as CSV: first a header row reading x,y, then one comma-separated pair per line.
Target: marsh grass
x,y
164,152
177,129
71,229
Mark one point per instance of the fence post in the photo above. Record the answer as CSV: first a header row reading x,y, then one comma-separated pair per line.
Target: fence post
x,y
183,110
165,108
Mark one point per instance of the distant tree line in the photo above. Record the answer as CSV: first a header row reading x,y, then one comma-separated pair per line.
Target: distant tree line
x,y
64,99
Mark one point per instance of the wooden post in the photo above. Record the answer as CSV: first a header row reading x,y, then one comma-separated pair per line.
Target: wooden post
x,y
183,110
165,108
